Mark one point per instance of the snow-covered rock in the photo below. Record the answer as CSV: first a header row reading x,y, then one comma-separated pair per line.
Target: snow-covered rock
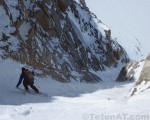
x,y
128,71
58,37
143,82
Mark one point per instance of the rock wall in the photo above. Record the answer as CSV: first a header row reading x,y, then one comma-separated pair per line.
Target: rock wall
x,y
59,37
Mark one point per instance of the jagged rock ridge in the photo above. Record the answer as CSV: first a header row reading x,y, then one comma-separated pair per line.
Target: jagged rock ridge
x,y
60,37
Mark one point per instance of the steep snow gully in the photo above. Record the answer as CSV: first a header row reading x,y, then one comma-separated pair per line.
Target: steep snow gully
x,y
74,100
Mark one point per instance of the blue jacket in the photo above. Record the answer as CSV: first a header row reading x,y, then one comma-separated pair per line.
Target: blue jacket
x,y
20,80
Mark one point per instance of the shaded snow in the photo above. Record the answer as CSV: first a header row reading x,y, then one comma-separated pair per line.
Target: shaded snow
x,y
24,29
67,101
11,5
14,44
4,24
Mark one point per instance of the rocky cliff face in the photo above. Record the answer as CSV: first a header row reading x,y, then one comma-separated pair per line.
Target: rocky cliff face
x,y
60,37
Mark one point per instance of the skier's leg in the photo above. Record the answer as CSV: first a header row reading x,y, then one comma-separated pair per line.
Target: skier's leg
x,y
34,88
25,84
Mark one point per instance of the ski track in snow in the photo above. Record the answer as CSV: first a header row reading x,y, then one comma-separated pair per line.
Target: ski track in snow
x,y
67,101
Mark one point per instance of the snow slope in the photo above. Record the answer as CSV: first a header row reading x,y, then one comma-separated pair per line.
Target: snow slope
x,y
129,22
68,101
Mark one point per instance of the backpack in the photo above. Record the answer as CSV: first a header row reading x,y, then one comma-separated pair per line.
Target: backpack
x,y
29,76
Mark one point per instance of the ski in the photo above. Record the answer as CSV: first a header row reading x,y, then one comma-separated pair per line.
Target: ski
x,y
43,94
33,92
25,92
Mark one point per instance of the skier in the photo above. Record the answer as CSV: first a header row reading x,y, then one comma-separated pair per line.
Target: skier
x,y
28,80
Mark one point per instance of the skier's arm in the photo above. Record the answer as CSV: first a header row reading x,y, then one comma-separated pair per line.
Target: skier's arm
x,y
20,80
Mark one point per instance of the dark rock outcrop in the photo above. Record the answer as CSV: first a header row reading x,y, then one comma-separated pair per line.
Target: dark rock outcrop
x,y
127,72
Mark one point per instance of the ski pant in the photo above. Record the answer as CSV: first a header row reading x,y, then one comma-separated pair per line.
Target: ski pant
x,y
26,83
